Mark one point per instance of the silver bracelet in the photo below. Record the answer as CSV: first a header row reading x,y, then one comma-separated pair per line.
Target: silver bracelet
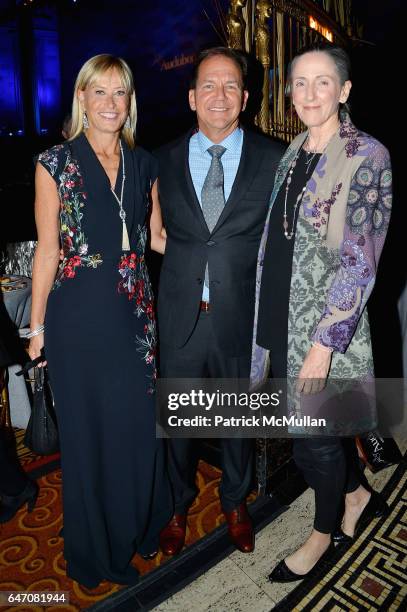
x,y
36,332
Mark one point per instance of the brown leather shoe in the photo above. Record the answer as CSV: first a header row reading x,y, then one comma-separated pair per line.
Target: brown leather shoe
x,y
240,528
172,537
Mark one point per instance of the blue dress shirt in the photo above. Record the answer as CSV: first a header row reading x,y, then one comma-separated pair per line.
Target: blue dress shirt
x,y
200,161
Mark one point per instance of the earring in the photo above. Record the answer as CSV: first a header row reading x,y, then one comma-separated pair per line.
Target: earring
x,y
85,121
127,124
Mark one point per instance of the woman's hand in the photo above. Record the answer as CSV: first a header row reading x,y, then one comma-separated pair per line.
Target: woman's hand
x,y
34,349
157,230
314,371
47,254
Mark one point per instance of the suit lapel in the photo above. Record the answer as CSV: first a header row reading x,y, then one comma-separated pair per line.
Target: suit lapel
x,y
180,157
249,163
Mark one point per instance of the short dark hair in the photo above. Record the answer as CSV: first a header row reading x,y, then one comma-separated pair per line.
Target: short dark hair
x,y
337,54
236,56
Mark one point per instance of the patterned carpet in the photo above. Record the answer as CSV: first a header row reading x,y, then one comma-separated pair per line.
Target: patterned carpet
x,y
371,573
31,552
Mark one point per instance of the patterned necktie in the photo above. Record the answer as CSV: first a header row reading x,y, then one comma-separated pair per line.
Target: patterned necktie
x,y
212,195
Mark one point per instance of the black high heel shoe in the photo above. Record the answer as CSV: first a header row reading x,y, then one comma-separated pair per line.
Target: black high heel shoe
x,y
282,573
375,508
10,504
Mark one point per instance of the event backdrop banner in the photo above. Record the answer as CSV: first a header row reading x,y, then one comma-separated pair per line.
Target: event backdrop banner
x,y
159,40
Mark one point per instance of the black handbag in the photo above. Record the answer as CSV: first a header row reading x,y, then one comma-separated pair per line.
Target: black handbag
x,y
41,435
378,452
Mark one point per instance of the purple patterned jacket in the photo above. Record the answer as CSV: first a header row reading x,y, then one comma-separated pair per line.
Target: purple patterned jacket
x,y
342,224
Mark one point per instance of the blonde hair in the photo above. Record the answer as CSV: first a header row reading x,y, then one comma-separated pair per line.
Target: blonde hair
x,y
90,71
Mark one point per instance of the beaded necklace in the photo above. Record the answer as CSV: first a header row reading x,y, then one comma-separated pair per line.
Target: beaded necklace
x,y
308,162
287,234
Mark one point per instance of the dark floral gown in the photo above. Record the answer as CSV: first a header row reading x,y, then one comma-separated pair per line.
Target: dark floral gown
x,y
100,345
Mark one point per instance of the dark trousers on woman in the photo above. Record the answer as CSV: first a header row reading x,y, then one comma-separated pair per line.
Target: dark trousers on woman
x,y
331,467
12,478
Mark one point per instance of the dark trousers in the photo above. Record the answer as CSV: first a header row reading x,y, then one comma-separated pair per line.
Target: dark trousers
x,y
12,478
331,467
201,357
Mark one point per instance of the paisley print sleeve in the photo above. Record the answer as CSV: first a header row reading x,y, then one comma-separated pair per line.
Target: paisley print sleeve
x,y
367,218
52,159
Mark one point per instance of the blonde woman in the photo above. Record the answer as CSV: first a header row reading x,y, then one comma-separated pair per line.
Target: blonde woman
x,y
94,314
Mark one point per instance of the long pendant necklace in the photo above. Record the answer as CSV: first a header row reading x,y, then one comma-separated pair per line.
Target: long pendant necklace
x,y
122,212
298,200
308,163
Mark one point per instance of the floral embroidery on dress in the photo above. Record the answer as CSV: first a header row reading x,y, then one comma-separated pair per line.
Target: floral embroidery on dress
x,y
132,268
72,198
50,158
136,284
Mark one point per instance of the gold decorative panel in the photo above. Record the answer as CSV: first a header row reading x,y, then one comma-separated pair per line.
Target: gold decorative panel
x,y
275,30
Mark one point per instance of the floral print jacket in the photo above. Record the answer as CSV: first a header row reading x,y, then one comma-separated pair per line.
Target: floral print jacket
x,y
342,224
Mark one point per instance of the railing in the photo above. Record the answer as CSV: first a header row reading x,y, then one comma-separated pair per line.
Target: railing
x,y
276,30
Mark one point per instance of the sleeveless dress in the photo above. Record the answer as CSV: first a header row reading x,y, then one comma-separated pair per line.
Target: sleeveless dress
x,y
100,343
